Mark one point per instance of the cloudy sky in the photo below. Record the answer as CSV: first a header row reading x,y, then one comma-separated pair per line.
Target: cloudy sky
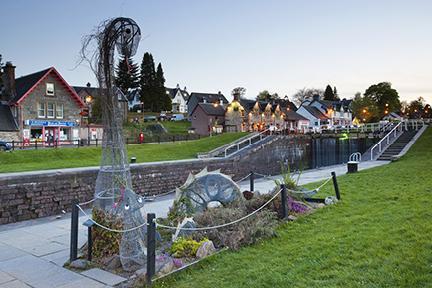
x,y
211,46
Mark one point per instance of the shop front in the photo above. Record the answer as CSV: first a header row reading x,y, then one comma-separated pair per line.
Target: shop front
x,y
50,132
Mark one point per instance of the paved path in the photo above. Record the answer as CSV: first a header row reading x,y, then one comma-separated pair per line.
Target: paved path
x,y
32,252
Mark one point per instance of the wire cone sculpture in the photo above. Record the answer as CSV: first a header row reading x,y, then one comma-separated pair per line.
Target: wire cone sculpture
x,y
114,194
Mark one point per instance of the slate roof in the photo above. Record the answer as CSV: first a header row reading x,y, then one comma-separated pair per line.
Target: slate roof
x,y
209,97
7,122
294,116
173,92
23,84
94,91
212,110
334,104
315,112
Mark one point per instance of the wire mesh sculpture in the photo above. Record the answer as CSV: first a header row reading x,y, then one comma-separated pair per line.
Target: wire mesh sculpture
x,y
204,190
113,192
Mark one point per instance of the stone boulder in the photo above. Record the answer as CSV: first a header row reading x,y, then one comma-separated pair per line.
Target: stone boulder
x,y
206,249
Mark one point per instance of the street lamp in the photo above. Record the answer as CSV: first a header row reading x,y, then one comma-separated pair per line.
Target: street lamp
x,y
88,100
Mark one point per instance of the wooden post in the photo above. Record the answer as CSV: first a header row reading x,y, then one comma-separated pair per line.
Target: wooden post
x,y
251,181
336,186
284,200
74,231
151,248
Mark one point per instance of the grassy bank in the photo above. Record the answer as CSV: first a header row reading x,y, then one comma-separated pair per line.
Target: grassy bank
x,y
378,236
27,160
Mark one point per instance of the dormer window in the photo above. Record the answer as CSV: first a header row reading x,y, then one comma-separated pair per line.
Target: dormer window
x,y
50,89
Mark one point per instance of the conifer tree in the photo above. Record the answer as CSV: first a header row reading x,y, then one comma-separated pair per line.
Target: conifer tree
x,y
147,82
328,94
164,99
127,76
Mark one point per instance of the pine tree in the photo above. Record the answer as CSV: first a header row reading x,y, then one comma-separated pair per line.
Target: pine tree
x,y
164,99
147,81
328,94
127,76
1,75
336,96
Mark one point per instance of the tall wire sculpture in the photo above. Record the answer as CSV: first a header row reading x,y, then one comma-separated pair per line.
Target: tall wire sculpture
x,y
113,192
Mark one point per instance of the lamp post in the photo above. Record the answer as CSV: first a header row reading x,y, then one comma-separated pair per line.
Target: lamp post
x,y
88,100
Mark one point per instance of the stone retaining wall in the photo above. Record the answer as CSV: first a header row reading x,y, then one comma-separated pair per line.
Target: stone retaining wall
x,y
32,195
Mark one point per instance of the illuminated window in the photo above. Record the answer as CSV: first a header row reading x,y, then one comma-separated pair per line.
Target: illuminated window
x,y
50,89
41,110
50,110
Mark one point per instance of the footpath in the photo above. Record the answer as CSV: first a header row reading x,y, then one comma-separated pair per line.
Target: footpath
x,y
32,253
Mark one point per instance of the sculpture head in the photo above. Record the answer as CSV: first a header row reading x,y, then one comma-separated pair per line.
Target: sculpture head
x,y
127,35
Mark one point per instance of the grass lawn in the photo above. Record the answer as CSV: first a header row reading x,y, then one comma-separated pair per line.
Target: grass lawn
x,y
27,160
380,235
173,127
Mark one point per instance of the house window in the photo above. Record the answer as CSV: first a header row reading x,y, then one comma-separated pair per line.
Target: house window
x,y
50,110
59,111
41,110
50,89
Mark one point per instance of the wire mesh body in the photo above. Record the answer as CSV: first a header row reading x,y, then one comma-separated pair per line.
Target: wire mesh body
x,y
113,192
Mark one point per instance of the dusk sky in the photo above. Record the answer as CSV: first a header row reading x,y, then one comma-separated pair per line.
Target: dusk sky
x,y
211,46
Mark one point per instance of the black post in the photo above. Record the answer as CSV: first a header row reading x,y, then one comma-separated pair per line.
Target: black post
x,y
89,243
96,142
284,202
36,144
173,138
158,139
336,186
251,181
74,231
13,145
151,248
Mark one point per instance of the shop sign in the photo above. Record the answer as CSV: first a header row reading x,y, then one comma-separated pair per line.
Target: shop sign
x,y
50,123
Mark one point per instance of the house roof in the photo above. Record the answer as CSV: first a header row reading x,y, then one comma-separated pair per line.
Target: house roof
x,y
94,92
7,122
133,93
294,116
211,109
209,97
173,92
334,104
26,84
315,112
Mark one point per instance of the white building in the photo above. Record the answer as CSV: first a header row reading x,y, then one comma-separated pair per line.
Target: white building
x,y
179,99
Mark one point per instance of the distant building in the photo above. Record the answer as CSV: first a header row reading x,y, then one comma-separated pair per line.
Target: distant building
x,y
39,107
208,118
212,98
179,99
89,94
327,114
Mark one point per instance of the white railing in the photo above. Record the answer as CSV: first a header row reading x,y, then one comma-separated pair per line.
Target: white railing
x,y
385,141
355,157
246,142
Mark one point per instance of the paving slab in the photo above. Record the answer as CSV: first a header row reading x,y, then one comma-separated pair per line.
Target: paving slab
x,y
58,258
104,276
8,252
4,277
14,284
85,283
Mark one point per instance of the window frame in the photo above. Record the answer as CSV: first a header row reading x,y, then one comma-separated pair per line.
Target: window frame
x,y
57,110
43,106
47,93
53,110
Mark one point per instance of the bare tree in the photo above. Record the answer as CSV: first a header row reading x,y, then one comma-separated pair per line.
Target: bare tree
x,y
306,93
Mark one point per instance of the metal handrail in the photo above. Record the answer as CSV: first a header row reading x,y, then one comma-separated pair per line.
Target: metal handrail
x,y
249,140
386,138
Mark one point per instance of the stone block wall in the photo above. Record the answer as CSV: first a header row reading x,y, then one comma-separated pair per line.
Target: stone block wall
x,y
32,195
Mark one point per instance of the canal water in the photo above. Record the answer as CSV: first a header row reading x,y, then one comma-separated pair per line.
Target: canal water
x,y
324,151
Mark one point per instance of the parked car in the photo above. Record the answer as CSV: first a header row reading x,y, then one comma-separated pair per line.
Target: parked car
x,y
177,117
5,146
149,118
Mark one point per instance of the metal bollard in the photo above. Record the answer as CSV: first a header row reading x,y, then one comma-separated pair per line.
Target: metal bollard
x,y
251,181
151,248
284,200
336,186
74,231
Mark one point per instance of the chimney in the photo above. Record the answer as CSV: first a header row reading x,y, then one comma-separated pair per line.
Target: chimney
x,y
316,97
185,89
9,82
88,85
178,86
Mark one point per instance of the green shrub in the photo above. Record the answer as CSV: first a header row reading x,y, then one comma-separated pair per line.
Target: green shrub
x,y
185,247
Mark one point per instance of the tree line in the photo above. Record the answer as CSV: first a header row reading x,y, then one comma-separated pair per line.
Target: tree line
x,y
149,80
